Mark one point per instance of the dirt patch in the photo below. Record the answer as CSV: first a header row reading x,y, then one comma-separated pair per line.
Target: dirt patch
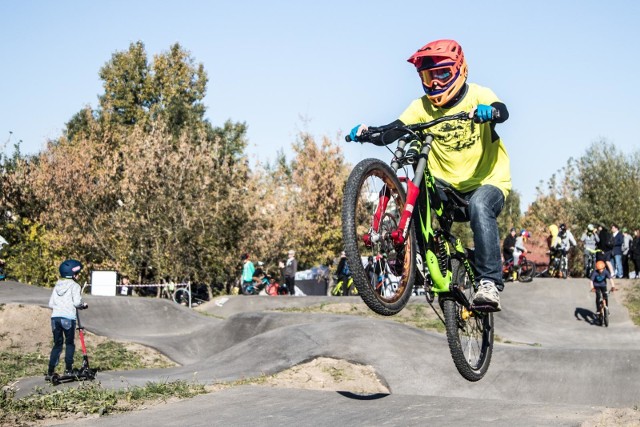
x,y
330,374
628,417
27,329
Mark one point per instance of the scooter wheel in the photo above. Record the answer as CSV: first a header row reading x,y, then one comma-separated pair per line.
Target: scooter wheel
x,y
55,379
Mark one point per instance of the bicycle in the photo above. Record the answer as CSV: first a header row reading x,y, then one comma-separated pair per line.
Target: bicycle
x,y
590,261
379,217
524,272
603,310
180,293
559,265
341,290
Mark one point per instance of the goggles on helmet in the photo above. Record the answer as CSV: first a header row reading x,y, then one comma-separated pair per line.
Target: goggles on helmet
x,y
442,74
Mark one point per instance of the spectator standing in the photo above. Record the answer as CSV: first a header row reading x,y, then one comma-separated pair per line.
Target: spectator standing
x,y
290,269
590,241
247,271
626,248
343,272
508,245
618,240
124,285
605,244
635,252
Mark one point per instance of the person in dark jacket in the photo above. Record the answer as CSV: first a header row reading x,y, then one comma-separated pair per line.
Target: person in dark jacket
x,y
290,269
618,240
509,245
634,252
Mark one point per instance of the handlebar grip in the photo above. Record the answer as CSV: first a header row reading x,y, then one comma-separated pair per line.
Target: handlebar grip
x,y
348,138
495,113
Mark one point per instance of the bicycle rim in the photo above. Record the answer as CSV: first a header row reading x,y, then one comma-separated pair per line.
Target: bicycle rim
x,y
527,271
181,296
470,335
368,179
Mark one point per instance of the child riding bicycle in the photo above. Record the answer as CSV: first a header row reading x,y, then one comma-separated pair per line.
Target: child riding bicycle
x,y
599,283
471,160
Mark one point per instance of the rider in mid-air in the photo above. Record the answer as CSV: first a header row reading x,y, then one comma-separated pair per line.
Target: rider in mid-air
x,y
470,159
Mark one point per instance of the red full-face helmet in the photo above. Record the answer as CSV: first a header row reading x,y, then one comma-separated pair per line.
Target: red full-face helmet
x,y
442,69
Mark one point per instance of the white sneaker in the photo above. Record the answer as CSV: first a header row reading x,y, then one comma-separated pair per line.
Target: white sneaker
x,y
487,295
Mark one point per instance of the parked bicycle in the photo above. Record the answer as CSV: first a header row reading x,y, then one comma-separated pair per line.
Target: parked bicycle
x,y
410,220
342,289
524,272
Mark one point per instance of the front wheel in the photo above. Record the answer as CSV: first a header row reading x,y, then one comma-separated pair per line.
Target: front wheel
x,y
527,271
469,334
564,267
374,200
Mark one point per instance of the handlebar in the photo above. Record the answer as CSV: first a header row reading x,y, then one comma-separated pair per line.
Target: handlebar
x,y
366,135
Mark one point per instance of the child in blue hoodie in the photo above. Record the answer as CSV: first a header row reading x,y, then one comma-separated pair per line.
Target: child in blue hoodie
x,y
64,301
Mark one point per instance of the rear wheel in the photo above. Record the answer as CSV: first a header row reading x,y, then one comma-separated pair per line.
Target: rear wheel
x,y
469,334
527,271
370,182
182,296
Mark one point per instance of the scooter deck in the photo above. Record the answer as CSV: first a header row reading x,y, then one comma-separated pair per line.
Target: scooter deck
x,y
56,379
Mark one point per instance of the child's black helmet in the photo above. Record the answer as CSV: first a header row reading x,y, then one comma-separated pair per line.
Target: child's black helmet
x,y
70,268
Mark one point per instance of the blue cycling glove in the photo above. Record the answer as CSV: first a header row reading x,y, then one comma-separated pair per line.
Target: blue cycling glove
x,y
484,113
354,133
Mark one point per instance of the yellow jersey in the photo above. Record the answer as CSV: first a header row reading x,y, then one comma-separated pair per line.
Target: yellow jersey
x,y
463,155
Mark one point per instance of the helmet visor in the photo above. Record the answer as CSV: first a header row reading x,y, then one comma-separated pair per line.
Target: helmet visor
x,y
441,74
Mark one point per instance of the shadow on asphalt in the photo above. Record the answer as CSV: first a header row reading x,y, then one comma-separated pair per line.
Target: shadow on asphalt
x,y
586,315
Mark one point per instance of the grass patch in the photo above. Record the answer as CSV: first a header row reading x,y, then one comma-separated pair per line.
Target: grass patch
x,y
107,356
632,302
87,399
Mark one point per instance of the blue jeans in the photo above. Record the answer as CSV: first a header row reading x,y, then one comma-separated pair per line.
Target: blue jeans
x,y
618,266
63,333
485,204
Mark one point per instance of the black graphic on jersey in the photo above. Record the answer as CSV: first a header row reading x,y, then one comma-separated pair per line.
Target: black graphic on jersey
x,y
456,135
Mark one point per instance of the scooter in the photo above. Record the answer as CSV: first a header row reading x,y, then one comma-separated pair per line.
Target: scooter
x,y
85,373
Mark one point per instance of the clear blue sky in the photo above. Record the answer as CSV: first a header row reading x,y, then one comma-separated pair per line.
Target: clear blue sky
x,y
565,69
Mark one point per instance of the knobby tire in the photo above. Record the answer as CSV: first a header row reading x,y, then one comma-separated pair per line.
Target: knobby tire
x,y
527,271
470,335
367,179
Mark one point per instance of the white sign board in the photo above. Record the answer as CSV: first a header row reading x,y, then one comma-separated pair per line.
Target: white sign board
x,y
104,283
